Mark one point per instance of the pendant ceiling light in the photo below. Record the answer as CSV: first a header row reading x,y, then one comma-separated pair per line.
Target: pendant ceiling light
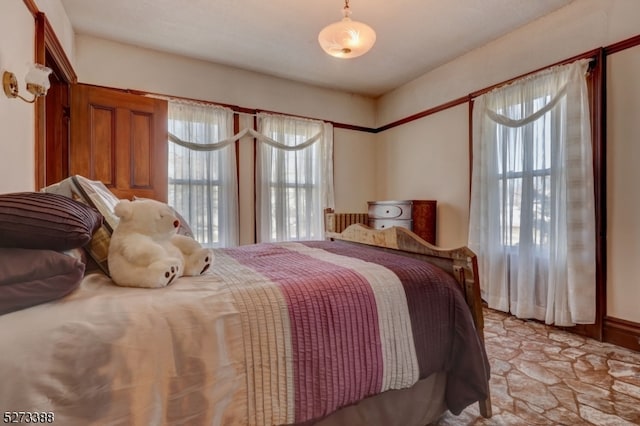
x,y
347,38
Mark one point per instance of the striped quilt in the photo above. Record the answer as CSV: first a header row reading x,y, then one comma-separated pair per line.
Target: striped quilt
x,y
326,324
272,334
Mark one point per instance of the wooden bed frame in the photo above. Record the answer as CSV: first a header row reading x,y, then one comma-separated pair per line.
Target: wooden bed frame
x,y
461,262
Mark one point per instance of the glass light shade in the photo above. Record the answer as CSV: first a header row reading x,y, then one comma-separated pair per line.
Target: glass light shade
x,y
37,79
347,38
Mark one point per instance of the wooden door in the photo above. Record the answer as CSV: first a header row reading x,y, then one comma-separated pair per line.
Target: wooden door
x,y
120,139
57,131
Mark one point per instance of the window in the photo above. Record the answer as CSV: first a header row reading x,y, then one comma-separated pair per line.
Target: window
x,y
532,213
202,172
524,177
294,178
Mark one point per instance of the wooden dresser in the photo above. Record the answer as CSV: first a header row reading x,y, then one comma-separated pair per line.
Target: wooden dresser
x,y
417,215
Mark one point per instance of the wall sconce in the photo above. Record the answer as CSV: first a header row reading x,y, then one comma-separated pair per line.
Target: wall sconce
x,y
37,80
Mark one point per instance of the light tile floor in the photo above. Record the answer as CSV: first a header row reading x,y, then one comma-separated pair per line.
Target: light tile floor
x,y
544,376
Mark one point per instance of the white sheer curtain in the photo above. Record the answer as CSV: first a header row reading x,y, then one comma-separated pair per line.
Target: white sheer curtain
x,y
203,185
532,216
294,177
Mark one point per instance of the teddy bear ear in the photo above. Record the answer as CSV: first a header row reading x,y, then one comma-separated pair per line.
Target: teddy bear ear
x,y
123,209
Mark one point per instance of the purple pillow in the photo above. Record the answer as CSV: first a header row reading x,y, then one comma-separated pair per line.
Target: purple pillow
x,y
38,220
30,277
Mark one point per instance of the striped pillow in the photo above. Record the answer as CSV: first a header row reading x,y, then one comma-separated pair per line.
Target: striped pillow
x,y
36,220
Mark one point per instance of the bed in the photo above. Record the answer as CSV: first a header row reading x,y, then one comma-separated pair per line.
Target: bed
x,y
365,327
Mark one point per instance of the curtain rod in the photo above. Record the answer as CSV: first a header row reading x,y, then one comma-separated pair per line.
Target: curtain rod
x,y
592,54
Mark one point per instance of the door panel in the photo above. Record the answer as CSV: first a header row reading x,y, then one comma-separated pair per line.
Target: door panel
x,y
141,130
100,144
119,139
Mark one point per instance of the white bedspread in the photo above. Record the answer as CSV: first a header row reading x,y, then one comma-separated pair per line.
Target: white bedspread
x,y
177,352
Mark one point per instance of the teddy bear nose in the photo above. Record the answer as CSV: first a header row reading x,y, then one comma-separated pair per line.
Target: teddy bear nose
x,y
176,223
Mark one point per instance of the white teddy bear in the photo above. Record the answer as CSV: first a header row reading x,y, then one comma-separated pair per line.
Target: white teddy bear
x,y
146,251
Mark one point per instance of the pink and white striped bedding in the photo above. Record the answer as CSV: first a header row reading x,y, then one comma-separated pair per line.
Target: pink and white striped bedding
x,y
345,322
274,334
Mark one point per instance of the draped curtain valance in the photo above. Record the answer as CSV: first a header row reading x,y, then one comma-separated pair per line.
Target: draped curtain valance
x,y
213,146
203,183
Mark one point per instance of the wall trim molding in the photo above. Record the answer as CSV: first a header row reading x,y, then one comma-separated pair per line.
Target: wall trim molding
x,y
53,47
622,45
594,53
622,333
459,101
32,7
250,111
48,51
608,50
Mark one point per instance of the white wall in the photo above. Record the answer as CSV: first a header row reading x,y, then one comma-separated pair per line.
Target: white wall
x,y
354,170
112,64
17,168
623,176
429,159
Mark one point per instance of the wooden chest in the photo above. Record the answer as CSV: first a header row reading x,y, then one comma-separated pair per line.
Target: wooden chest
x,y
417,215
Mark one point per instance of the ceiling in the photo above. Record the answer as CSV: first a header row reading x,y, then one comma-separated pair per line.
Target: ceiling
x,y
279,37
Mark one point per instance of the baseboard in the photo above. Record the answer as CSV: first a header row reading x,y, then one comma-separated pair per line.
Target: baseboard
x,y
622,333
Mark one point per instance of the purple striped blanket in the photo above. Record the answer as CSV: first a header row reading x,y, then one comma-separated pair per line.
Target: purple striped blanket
x,y
272,334
326,324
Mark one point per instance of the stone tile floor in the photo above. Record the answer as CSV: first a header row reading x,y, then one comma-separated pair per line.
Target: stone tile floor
x,y
544,376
